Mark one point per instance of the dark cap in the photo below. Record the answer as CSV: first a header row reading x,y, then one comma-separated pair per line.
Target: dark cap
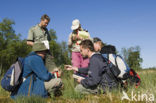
x,y
96,39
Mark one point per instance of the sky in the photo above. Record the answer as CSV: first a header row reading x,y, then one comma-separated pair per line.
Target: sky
x,y
123,23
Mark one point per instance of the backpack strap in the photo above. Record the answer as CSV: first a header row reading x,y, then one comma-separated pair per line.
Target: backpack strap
x,y
116,64
30,86
108,57
116,60
24,78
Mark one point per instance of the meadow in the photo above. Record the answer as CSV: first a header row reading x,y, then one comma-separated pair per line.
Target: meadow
x,y
145,93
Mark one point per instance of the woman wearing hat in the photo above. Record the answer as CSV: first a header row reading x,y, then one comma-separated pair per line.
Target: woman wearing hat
x,y
75,38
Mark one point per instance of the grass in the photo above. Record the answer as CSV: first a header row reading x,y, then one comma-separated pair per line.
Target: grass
x,y
146,89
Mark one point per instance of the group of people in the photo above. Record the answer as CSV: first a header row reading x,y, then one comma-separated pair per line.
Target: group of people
x,y
39,67
89,65
97,77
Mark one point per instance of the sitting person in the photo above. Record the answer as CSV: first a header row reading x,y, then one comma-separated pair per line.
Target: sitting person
x,y
96,70
36,79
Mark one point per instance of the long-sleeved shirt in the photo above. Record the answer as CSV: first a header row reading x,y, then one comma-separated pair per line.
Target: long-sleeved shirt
x,y
95,70
74,44
33,64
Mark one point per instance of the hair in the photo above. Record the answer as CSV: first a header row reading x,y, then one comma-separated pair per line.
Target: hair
x,y
45,16
87,44
96,39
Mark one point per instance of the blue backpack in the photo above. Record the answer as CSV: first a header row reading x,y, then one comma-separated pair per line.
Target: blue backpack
x,y
13,77
118,66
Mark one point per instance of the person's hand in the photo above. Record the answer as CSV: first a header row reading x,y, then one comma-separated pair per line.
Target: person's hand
x,y
75,68
74,37
68,67
79,38
79,79
58,71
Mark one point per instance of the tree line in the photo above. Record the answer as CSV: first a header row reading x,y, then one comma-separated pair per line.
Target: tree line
x,y
12,46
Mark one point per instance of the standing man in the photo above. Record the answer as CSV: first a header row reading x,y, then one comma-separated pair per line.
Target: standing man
x,y
74,41
39,33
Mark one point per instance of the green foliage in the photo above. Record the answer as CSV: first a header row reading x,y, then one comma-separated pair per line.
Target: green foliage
x,y
32,99
69,85
151,68
11,46
134,60
59,50
148,86
132,57
53,34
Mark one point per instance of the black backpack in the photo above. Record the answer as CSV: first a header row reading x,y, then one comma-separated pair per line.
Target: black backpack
x,y
109,81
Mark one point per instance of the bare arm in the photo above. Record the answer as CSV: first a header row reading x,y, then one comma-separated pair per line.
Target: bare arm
x,y
30,38
30,43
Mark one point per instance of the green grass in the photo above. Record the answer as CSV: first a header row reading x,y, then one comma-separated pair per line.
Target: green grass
x,y
148,86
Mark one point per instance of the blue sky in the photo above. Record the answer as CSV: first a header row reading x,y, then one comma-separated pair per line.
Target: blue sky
x,y
123,23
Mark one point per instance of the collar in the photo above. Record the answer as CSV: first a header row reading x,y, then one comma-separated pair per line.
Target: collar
x,y
41,27
92,54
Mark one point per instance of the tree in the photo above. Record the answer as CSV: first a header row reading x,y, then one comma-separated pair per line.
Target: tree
x,y
58,50
53,34
7,34
11,46
132,57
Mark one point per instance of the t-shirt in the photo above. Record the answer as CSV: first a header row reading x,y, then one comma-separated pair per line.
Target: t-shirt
x,y
36,34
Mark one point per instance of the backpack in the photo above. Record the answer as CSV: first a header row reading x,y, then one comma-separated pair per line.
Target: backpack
x,y
108,80
13,77
120,69
134,78
117,64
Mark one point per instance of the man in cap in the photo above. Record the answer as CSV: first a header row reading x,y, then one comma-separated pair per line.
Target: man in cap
x,y
36,79
39,33
75,38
